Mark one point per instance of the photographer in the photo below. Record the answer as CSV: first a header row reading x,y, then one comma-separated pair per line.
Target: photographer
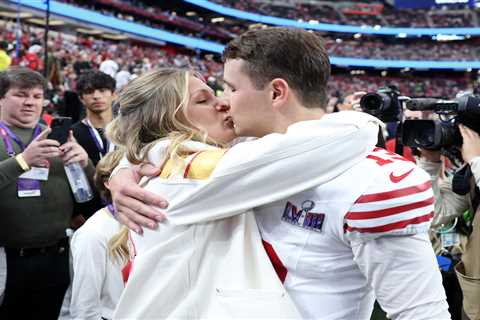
x,y
453,210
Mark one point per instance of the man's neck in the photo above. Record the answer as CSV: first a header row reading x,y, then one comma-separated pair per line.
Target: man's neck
x,y
301,114
100,120
17,124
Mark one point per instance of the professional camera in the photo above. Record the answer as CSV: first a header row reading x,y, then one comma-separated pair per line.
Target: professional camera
x,y
442,134
384,104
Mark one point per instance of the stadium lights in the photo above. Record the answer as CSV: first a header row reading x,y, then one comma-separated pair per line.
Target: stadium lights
x,y
447,37
450,1
216,20
377,27
402,35
191,13
357,72
329,27
338,40
313,22
357,35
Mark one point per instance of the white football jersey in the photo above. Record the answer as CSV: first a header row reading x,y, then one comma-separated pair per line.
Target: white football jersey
x,y
321,241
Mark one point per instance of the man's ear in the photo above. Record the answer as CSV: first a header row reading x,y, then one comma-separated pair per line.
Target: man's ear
x,y
279,92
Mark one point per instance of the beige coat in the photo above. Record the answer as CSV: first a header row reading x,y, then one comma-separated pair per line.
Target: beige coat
x,y
448,206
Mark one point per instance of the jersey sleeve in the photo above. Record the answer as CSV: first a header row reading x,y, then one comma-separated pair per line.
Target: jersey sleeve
x,y
399,202
404,275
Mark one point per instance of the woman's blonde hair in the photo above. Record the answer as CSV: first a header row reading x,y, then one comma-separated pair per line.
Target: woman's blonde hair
x,y
118,244
150,109
103,171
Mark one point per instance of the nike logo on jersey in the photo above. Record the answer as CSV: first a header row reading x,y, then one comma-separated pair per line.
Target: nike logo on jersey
x,y
397,179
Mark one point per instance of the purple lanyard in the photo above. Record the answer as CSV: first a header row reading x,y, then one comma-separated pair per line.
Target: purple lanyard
x,y
112,210
8,136
102,148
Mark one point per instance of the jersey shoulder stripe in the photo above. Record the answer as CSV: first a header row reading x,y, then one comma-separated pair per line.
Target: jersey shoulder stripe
x,y
399,201
363,215
394,226
402,192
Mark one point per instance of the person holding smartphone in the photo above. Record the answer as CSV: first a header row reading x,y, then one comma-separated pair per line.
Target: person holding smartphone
x,y
36,204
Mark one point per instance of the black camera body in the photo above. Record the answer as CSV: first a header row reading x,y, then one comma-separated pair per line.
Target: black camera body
x,y
383,104
442,134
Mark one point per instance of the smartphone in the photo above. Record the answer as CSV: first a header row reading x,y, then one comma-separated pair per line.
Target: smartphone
x,y
60,127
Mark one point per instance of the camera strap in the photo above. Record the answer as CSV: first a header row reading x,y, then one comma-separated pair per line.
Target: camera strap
x,y
461,180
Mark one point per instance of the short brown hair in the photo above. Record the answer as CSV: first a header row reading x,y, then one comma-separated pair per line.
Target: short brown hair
x,y
295,55
20,77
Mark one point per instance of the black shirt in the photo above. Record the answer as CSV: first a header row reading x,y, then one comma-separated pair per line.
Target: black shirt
x,y
82,134
83,137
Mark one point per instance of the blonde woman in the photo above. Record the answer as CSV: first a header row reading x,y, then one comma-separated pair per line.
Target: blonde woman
x,y
97,278
213,265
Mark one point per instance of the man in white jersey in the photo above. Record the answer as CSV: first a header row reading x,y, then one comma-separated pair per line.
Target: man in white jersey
x,y
338,246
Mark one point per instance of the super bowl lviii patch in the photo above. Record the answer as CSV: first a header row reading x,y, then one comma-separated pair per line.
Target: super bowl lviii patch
x,y
303,217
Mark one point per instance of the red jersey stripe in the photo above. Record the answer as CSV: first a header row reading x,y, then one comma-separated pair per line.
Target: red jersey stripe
x,y
395,193
392,226
389,211
187,169
276,262
126,271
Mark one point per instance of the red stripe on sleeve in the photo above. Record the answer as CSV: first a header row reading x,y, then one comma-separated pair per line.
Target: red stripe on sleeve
x,y
392,226
395,193
389,211
187,169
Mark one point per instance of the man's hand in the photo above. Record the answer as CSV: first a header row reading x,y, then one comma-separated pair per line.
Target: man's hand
x,y
73,152
41,149
471,143
135,206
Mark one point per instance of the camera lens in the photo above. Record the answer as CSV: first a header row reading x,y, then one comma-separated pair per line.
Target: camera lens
x,y
371,102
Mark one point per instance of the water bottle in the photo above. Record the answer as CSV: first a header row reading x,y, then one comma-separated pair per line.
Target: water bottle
x,y
78,182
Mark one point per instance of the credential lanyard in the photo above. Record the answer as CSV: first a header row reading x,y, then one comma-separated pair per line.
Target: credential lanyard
x,y
8,136
97,139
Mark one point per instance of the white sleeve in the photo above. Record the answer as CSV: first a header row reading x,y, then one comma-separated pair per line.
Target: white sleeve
x,y
404,274
262,171
475,166
123,164
89,267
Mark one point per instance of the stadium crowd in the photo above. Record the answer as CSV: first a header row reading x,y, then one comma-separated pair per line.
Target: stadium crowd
x,y
358,13
373,48
72,53
342,46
